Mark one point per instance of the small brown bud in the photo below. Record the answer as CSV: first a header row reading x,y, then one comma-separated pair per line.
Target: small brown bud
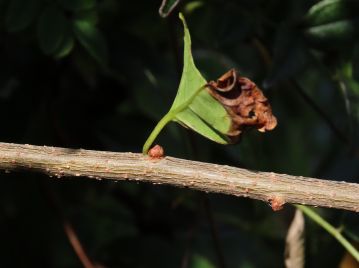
x,y
277,202
156,152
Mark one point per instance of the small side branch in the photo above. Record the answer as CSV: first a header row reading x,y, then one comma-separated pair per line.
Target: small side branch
x,y
77,246
266,186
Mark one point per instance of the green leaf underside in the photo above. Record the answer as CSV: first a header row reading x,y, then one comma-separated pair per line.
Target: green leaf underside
x,y
204,115
196,123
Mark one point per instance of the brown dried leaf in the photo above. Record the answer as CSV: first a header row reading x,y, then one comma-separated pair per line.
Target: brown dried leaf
x,y
245,103
294,248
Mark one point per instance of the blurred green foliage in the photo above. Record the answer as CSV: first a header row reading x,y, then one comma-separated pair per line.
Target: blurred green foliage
x,y
100,74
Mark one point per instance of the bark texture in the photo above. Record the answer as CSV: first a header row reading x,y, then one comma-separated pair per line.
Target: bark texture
x,y
267,186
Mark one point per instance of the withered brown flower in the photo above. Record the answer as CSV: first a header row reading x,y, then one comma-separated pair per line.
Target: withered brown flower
x,y
245,103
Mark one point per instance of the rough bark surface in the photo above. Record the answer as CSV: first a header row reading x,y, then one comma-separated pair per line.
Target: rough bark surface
x,y
266,186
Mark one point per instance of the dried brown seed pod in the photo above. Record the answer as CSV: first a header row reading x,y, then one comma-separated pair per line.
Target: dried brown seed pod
x,y
245,103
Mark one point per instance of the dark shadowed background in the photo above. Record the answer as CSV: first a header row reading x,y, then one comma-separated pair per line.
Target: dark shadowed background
x,y
100,74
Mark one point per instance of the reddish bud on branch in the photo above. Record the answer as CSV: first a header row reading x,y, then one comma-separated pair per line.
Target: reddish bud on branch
x,y
156,152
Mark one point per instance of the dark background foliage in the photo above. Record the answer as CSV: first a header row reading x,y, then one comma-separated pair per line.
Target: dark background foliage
x,y
99,75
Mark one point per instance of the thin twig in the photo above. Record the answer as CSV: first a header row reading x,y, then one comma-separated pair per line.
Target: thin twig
x,y
68,229
266,186
76,245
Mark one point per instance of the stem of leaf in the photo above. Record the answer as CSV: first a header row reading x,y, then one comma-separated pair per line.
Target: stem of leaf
x,y
166,119
160,125
330,229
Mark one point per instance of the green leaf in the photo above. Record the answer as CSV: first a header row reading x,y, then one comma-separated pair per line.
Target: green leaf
x,y
328,11
193,121
332,34
199,261
332,22
193,106
204,105
20,14
52,28
92,40
66,46
76,5
167,6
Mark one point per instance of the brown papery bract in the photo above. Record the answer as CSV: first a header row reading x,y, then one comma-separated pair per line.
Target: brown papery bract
x,y
245,103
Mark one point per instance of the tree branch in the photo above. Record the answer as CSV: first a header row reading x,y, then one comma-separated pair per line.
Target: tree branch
x,y
267,186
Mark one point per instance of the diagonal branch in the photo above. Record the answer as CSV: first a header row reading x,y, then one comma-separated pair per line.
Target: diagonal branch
x,y
69,229
267,186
